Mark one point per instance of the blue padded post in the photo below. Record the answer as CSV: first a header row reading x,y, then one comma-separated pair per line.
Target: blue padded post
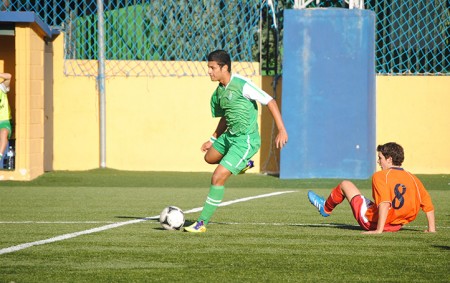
x,y
328,98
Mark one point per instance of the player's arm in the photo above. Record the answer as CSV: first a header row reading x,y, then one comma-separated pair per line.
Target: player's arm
x,y
383,210
251,91
6,79
220,129
282,136
426,205
431,222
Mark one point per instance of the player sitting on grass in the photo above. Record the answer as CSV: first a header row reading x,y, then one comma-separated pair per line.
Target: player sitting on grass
x,y
236,138
398,196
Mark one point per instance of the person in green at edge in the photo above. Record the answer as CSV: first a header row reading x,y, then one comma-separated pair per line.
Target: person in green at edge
x,y
236,138
5,116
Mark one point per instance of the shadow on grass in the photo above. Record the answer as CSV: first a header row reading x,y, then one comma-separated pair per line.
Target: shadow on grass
x,y
138,217
331,225
444,248
189,222
341,226
354,227
155,219
327,225
318,225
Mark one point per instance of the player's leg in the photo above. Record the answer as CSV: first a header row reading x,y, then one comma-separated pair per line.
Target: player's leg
x,y
237,156
318,202
349,190
345,189
360,205
4,132
213,200
216,193
250,165
213,156
218,149
238,149
362,209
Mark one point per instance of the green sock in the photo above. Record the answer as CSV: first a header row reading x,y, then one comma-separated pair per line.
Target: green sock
x,y
213,200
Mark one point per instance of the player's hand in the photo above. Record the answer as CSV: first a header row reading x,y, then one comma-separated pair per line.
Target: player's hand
x,y
372,232
281,139
206,146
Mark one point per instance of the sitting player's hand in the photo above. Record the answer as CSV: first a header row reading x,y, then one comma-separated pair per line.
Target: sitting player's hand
x,y
372,232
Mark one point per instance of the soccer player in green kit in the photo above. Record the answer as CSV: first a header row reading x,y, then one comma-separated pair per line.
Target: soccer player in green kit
x,y
236,138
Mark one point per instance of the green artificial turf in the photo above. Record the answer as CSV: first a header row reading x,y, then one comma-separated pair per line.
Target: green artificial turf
x,y
280,238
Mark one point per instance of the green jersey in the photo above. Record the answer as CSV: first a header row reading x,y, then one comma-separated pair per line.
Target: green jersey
x,y
237,103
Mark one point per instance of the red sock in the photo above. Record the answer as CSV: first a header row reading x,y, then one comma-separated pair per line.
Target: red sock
x,y
335,198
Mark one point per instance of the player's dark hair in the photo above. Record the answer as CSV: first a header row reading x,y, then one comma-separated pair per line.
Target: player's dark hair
x,y
393,150
221,57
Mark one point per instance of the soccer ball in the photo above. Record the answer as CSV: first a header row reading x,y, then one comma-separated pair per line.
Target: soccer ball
x,y
172,218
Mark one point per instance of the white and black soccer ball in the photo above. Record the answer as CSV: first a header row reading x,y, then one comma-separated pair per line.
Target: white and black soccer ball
x,y
172,218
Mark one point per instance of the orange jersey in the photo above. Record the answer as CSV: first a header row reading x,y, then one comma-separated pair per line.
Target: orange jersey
x,y
404,191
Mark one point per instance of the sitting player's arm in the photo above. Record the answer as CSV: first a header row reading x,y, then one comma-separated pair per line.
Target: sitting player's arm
x,y
427,206
282,136
383,210
431,222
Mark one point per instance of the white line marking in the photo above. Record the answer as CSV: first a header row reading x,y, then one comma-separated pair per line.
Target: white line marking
x,y
242,200
119,224
211,223
55,222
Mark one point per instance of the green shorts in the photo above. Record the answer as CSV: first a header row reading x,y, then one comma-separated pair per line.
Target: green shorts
x,y
237,150
6,124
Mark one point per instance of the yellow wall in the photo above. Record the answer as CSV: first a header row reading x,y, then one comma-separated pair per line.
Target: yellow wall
x,y
414,111
411,110
27,100
159,123
152,123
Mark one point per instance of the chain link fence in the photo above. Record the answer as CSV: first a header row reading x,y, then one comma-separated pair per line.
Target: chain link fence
x,y
412,37
153,37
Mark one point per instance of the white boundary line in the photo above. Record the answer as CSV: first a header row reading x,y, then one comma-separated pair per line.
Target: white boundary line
x,y
211,223
56,222
119,224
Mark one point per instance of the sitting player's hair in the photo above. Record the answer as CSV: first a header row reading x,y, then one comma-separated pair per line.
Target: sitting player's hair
x,y
221,57
393,150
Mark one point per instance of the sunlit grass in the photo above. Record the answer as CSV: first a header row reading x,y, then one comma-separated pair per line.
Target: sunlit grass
x,y
275,239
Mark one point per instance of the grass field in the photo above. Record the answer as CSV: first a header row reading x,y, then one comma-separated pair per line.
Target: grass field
x,y
94,225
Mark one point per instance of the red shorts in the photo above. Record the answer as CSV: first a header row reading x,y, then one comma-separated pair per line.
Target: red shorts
x,y
359,205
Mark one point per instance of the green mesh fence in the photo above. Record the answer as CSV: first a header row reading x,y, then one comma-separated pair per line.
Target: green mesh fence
x,y
169,31
412,37
152,37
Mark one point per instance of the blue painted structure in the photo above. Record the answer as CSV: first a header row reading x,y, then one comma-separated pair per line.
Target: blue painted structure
x,y
328,98
47,32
